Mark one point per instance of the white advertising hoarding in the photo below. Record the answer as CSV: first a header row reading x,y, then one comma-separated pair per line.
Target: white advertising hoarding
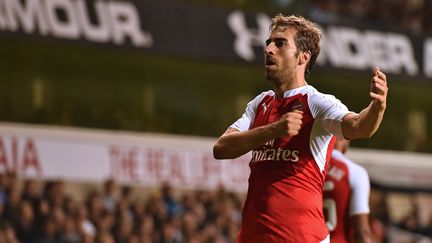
x,y
151,159
92,155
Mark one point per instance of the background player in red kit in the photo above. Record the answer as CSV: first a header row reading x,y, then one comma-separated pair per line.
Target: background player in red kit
x,y
346,198
291,131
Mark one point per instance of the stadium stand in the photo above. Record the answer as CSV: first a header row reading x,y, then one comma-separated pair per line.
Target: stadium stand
x,y
46,211
57,211
406,15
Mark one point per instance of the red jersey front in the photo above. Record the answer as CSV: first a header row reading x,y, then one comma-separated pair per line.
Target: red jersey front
x,y
284,200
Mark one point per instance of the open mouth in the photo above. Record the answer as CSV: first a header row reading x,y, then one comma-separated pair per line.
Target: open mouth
x,y
269,62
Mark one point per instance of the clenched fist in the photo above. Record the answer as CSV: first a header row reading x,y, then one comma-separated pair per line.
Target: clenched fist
x,y
289,124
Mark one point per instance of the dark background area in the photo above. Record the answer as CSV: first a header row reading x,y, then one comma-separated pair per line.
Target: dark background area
x,y
47,82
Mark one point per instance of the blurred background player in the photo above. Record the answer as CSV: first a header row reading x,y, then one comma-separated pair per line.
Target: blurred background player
x,y
346,198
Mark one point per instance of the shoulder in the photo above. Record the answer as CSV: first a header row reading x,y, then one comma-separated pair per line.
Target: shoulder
x,y
260,98
356,170
268,93
357,175
321,99
353,167
325,106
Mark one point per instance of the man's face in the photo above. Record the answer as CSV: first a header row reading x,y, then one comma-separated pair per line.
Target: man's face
x,y
281,56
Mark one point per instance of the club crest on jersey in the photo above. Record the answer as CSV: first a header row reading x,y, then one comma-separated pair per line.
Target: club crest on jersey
x,y
298,105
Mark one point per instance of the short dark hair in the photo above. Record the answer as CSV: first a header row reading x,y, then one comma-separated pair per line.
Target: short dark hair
x,y
307,35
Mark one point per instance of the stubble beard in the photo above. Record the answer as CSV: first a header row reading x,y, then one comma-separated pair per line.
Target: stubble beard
x,y
278,76
271,76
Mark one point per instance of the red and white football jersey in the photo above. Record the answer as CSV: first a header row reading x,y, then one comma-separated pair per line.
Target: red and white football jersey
x,y
346,193
284,199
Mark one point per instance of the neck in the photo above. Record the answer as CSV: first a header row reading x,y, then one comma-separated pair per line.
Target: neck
x,y
280,88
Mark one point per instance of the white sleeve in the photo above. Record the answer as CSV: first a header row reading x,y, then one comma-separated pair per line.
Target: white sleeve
x,y
246,120
360,189
328,111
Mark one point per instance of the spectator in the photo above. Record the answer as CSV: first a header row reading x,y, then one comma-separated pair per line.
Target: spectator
x,y
7,233
50,232
25,228
85,227
203,216
169,199
109,195
70,233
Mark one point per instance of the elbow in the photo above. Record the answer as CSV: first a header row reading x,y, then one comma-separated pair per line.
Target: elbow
x,y
218,151
369,134
222,152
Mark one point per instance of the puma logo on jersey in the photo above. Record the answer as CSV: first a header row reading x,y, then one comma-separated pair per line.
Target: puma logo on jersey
x,y
264,106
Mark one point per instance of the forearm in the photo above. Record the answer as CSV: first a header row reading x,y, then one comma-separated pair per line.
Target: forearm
x,y
361,228
363,125
234,144
362,236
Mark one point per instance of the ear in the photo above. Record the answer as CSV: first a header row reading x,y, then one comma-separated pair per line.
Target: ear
x,y
304,57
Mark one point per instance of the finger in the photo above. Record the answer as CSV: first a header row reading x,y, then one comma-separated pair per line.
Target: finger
x,y
294,129
378,85
296,114
379,88
297,128
294,122
377,97
297,122
382,76
297,111
379,80
375,71
294,133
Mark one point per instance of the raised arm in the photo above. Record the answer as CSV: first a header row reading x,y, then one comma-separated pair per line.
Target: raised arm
x,y
366,123
234,143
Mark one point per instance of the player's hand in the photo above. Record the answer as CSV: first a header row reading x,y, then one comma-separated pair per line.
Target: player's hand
x,y
379,89
289,124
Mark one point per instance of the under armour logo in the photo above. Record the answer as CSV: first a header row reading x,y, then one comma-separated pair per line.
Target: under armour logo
x,y
247,38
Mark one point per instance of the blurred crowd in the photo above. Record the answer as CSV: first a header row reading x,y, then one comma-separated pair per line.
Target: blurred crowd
x,y
407,227
111,214
44,212
411,16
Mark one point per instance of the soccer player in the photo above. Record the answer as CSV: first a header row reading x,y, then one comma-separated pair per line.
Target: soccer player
x,y
291,132
346,198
